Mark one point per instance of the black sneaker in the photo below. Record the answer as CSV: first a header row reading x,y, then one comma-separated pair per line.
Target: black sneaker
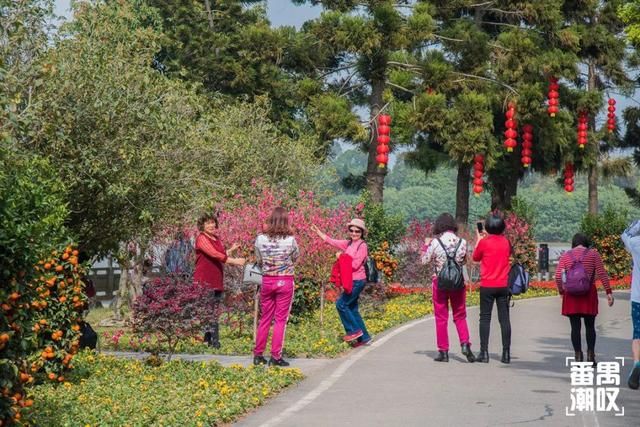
x,y
259,360
278,362
634,378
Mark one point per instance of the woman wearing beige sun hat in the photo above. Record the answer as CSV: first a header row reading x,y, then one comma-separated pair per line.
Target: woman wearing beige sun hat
x,y
354,252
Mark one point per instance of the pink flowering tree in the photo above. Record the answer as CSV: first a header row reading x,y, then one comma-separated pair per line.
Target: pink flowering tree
x,y
411,272
245,219
520,234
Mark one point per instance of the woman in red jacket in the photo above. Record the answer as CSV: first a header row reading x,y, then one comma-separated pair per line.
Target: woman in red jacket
x,y
578,307
209,271
492,252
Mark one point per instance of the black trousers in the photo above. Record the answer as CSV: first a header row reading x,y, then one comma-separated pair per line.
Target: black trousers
x,y
589,325
501,297
212,333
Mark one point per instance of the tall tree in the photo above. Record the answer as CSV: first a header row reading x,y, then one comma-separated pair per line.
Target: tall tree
x,y
359,42
494,53
602,53
228,48
629,13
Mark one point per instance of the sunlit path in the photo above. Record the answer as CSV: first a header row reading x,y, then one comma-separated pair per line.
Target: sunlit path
x,y
396,382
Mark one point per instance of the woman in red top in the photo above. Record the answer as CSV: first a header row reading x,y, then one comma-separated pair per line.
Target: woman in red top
x,y
492,252
577,307
209,271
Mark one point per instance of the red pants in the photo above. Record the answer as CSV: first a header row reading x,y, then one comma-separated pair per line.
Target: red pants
x,y
441,301
276,297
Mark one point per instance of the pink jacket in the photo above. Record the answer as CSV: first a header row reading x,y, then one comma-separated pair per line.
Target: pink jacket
x,y
358,252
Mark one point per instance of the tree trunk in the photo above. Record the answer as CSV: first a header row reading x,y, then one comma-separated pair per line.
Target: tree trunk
x,y
462,193
207,6
503,194
593,189
123,287
375,174
593,168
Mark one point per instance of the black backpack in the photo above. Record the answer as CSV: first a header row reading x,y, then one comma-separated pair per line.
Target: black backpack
x,y
450,277
88,337
370,269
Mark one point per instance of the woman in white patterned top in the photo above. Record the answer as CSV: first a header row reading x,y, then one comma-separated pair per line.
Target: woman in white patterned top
x,y
276,252
445,239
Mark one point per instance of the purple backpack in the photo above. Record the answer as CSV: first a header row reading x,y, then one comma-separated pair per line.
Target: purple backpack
x,y
577,281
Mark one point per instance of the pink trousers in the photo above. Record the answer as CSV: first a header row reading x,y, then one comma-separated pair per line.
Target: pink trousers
x,y
441,301
276,297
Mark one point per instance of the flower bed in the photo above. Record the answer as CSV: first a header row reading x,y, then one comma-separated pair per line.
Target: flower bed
x,y
536,286
107,391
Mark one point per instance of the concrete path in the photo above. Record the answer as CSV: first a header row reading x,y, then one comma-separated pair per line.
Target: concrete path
x,y
395,382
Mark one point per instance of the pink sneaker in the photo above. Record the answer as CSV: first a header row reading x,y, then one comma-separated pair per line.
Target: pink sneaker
x,y
353,336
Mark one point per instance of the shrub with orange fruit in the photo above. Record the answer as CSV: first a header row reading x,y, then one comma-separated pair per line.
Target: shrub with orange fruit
x,y
59,303
386,263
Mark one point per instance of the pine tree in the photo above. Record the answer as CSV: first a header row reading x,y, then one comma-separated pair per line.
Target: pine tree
x,y
602,54
360,42
486,55
630,15
229,49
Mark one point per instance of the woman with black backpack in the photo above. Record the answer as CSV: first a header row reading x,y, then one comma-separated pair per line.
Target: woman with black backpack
x,y
492,251
447,253
576,275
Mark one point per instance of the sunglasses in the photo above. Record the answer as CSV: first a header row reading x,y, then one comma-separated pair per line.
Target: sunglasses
x,y
355,230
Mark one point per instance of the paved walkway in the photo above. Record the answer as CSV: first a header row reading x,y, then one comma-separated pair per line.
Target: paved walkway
x,y
395,382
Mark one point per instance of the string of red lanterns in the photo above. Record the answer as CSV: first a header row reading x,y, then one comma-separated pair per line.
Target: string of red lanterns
x,y
527,144
478,172
582,129
510,124
554,96
382,150
569,174
611,122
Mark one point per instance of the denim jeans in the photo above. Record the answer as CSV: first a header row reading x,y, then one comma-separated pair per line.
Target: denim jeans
x,y
347,306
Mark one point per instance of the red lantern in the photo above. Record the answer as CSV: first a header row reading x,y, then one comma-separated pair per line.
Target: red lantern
x,y
582,129
382,149
478,171
384,119
383,139
611,122
554,97
382,160
510,124
527,144
568,177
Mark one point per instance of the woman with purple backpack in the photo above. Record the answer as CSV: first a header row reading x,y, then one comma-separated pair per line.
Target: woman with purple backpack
x,y
576,276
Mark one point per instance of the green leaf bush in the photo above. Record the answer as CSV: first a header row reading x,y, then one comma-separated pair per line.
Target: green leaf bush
x,y
32,214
